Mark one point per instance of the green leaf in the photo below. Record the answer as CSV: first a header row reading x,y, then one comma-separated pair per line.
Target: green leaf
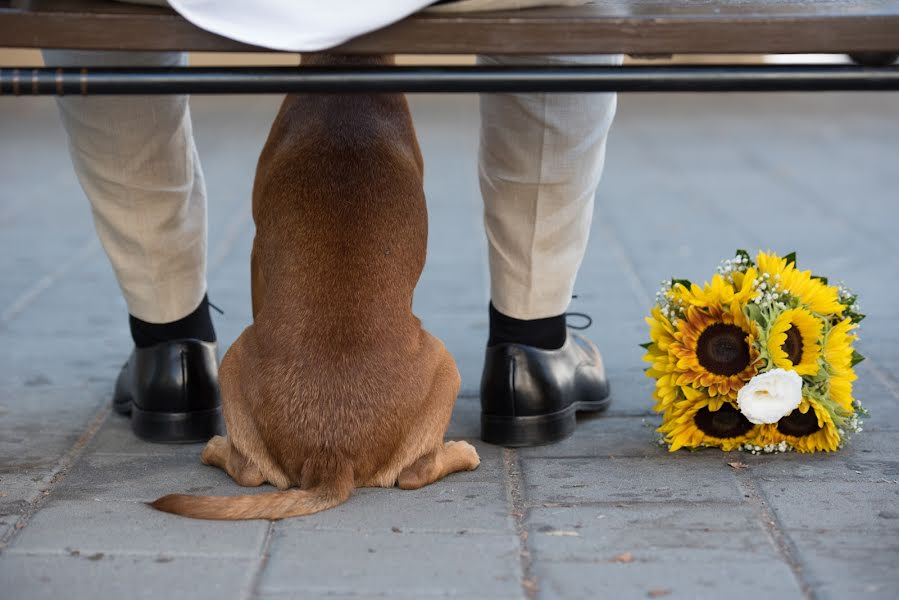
x,y
646,345
754,313
791,258
684,282
856,357
821,279
855,317
743,254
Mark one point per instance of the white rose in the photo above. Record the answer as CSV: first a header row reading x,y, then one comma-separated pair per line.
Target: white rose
x,y
768,397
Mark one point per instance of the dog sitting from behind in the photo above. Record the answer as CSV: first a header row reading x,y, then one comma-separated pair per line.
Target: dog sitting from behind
x,y
335,385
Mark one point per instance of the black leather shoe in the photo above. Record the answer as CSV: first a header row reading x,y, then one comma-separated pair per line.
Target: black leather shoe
x,y
530,396
171,391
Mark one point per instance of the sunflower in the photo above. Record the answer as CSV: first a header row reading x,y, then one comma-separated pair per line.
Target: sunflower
x,y
664,364
704,421
812,292
838,356
838,347
793,341
809,428
715,350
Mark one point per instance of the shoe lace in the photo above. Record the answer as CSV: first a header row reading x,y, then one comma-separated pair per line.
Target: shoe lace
x,y
581,315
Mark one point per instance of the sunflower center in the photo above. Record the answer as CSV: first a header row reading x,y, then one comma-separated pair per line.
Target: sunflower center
x,y
793,345
798,424
726,422
722,349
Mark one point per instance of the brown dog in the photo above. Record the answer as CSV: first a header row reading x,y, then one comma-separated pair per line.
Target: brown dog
x,y
335,385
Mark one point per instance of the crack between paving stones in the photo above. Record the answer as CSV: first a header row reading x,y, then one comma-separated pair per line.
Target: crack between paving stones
x,y
263,561
769,521
58,473
34,291
517,508
630,270
748,486
235,227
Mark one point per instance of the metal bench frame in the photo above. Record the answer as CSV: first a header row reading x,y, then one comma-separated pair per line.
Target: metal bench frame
x,y
656,27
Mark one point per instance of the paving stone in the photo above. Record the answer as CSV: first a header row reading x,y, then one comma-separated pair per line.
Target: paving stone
x,y
838,506
850,464
602,533
17,494
669,573
878,399
448,506
606,437
423,565
700,477
143,478
466,421
116,437
840,566
37,426
132,528
105,575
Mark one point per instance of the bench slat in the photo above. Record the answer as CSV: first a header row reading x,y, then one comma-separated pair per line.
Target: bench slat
x,y
627,26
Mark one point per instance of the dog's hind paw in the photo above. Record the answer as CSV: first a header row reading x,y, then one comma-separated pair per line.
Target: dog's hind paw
x,y
463,452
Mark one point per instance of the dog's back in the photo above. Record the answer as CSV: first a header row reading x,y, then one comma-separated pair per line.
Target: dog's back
x,y
335,385
339,184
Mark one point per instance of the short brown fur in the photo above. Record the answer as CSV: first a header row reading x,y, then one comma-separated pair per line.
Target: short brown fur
x,y
335,385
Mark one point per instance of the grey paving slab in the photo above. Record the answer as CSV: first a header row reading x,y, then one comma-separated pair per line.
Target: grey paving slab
x,y
672,574
91,526
606,437
142,478
699,477
40,423
115,437
449,506
466,421
867,458
849,566
861,507
103,575
604,533
405,564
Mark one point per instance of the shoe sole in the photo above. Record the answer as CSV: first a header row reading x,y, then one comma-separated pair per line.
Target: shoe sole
x,y
537,430
176,428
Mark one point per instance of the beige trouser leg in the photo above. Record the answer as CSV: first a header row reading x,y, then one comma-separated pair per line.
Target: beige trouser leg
x,y
136,161
541,158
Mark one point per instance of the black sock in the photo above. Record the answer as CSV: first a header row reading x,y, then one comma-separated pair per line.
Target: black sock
x,y
196,326
549,333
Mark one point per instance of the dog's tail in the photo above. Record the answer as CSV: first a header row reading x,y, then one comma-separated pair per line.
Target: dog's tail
x,y
272,506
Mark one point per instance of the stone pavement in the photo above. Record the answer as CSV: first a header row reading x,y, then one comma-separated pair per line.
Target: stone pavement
x,y
605,514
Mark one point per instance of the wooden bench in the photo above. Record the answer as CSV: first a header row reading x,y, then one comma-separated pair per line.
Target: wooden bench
x,y
640,27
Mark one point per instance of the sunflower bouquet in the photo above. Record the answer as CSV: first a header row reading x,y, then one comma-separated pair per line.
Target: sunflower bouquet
x,y
761,359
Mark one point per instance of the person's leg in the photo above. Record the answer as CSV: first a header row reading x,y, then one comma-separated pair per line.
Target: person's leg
x,y
541,158
137,163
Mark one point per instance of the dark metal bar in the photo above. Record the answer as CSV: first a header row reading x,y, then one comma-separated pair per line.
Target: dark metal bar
x,y
276,80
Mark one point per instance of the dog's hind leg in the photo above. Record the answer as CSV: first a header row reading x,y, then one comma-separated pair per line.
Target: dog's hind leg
x,y
219,452
449,458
